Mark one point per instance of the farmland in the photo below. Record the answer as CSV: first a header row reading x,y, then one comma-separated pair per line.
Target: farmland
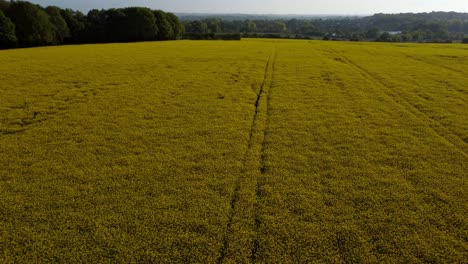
x,y
256,151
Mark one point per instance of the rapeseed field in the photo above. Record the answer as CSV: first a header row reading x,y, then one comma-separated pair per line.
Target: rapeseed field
x,y
255,151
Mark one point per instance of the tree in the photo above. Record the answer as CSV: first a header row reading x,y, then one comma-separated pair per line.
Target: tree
x,y
36,26
249,26
439,31
293,26
465,41
177,26
96,27
455,25
139,24
76,22
277,27
4,5
384,37
7,32
417,36
406,37
127,25
59,24
114,25
232,26
165,28
214,25
310,30
33,27
196,27
372,33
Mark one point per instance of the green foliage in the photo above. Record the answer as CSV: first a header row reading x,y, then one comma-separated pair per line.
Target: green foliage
x,y
177,27
384,37
213,25
196,27
114,25
250,26
37,26
373,33
310,30
165,28
212,36
97,26
139,24
59,24
33,27
76,23
278,26
465,41
132,24
7,32
4,5
429,27
387,37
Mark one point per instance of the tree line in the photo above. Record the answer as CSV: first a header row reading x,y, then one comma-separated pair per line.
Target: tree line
x,y
421,27
23,24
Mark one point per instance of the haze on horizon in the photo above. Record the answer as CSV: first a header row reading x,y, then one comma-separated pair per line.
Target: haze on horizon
x,y
336,7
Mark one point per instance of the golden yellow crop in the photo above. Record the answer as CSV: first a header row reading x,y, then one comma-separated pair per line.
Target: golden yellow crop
x,y
234,152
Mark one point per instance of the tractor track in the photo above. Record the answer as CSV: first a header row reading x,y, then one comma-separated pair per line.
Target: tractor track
x,y
255,126
447,135
434,64
263,166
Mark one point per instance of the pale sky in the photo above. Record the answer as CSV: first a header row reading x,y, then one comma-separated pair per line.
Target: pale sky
x,y
271,6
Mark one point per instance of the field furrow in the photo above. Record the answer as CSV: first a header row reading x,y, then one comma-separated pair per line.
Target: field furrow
x,y
438,65
249,157
437,93
436,126
263,169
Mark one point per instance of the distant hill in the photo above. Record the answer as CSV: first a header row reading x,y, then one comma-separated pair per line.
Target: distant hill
x,y
239,17
406,27
379,18
411,21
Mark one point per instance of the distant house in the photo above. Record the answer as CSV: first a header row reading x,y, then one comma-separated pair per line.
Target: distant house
x,y
395,32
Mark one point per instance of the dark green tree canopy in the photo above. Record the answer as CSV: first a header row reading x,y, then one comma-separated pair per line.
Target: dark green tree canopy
x,y
419,27
114,23
59,24
33,27
164,26
7,32
177,27
4,5
196,27
96,26
132,24
76,23
139,24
